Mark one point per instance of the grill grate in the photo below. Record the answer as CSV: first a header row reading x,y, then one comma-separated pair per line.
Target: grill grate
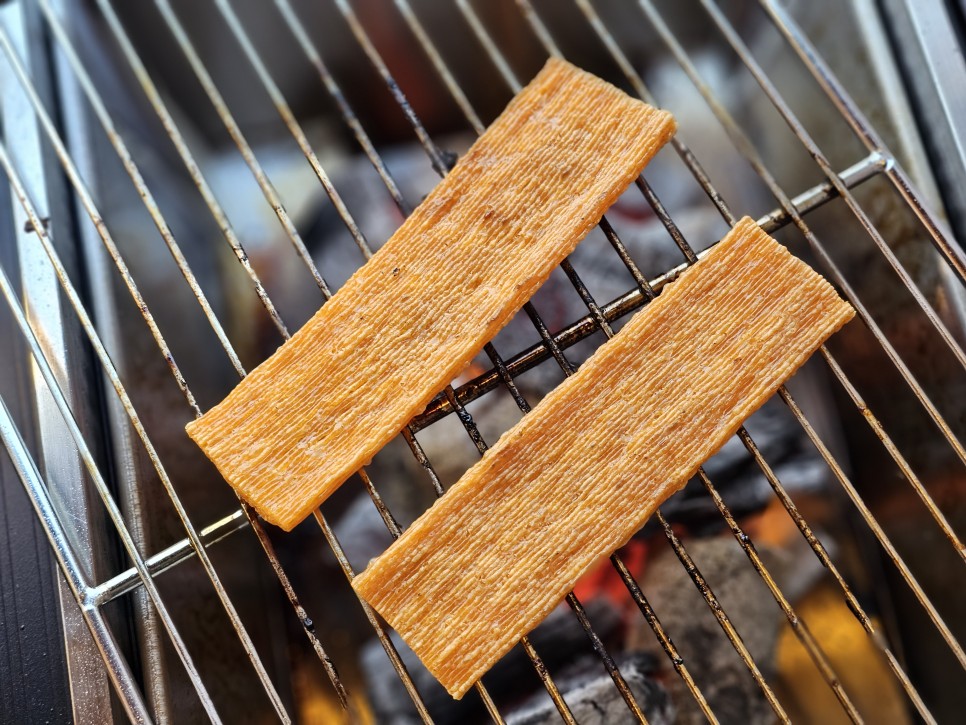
x,y
94,596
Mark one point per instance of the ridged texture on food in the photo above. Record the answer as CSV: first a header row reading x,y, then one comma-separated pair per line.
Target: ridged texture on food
x,y
574,479
455,272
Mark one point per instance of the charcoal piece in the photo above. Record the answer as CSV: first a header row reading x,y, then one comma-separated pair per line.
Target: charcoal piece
x,y
560,641
594,699
724,680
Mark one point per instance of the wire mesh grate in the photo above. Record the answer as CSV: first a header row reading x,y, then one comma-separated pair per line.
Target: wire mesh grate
x,y
790,213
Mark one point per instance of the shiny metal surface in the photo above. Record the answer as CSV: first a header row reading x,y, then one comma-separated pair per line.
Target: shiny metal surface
x,y
44,305
931,55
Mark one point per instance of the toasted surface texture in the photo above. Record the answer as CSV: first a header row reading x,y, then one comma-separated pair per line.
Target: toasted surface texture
x,y
455,272
574,479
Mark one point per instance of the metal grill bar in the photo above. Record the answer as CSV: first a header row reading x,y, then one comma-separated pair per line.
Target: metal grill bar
x,y
161,109
435,157
800,44
850,599
377,627
798,625
453,401
879,533
88,203
585,297
100,485
118,669
244,148
719,613
132,170
677,661
778,101
293,126
281,105
112,375
751,155
742,143
128,580
895,454
345,110
747,150
602,324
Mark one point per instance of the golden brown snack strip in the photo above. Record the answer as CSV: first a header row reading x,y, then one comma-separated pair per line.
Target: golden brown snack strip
x,y
574,479
451,276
